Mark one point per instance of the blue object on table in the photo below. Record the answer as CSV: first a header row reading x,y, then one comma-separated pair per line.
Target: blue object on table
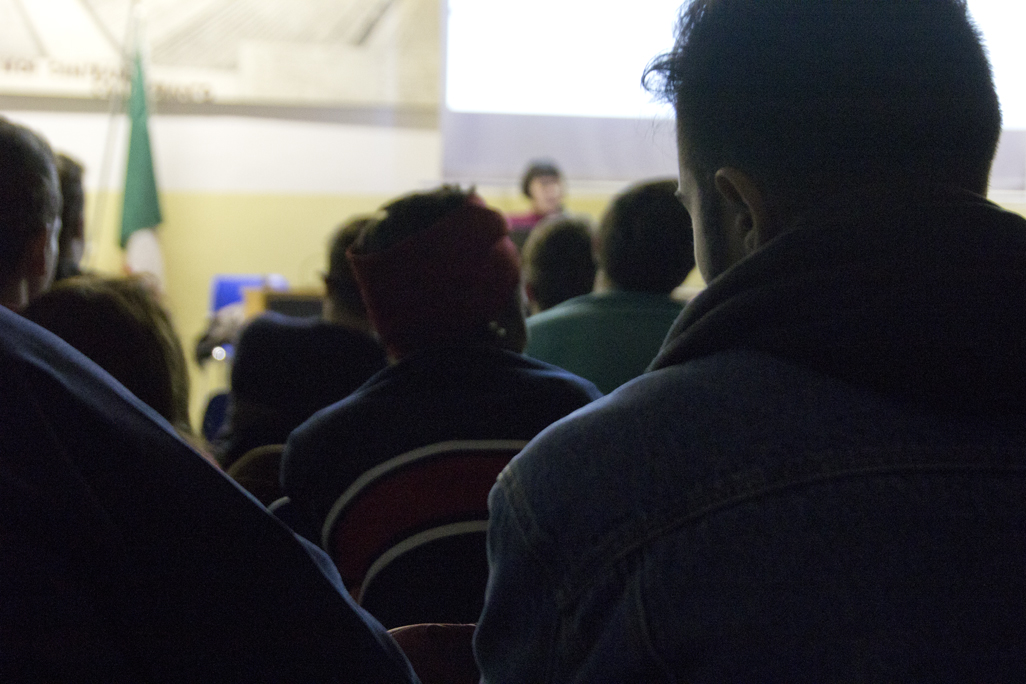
x,y
227,288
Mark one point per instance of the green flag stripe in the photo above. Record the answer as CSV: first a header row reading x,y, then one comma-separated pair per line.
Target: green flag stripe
x,y
141,207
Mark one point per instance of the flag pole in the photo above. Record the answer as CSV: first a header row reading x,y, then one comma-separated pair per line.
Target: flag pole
x,y
117,102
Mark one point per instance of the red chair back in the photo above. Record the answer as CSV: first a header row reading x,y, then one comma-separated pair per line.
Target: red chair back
x,y
411,531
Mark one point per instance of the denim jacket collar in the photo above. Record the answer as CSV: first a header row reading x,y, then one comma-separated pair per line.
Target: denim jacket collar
x,y
885,290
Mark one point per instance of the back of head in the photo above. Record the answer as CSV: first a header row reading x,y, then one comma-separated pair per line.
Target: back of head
x,y
558,261
439,269
70,172
644,240
119,324
815,96
343,289
29,194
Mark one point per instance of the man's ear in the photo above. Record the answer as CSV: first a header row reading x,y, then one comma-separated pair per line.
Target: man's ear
x,y
745,209
34,262
30,271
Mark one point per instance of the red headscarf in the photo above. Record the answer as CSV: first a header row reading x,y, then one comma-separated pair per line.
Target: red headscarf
x,y
441,285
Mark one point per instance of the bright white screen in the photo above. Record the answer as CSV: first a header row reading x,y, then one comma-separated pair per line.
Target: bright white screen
x,y
585,57
1003,24
555,57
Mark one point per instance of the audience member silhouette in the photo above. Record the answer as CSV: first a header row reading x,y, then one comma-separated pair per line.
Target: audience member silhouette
x,y
71,243
543,185
30,215
120,324
823,477
441,280
644,251
557,262
127,557
286,368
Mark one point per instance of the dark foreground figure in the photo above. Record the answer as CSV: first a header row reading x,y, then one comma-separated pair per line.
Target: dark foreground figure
x,y
823,476
791,495
128,557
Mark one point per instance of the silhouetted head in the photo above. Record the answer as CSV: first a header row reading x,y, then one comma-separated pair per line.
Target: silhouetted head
x,y
343,290
558,261
780,104
644,241
30,206
439,269
120,324
71,243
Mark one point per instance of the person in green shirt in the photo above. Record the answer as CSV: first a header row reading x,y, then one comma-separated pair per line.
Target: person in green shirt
x,y
644,249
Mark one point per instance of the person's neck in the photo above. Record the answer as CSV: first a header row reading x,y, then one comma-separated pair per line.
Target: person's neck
x,y
14,296
340,315
603,283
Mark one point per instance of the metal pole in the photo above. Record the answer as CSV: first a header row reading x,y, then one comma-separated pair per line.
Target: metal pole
x,y
117,102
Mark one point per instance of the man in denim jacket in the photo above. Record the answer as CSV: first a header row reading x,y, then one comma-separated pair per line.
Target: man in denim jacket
x,y
823,475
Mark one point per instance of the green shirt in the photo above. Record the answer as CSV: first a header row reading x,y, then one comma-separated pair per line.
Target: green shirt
x,y
608,338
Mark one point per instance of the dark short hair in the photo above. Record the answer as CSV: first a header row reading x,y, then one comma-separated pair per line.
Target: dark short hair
x,y
538,168
558,261
813,95
120,324
645,241
439,268
70,172
342,285
408,215
29,194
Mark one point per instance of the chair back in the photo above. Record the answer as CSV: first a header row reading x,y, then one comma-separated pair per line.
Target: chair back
x,y
258,472
408,536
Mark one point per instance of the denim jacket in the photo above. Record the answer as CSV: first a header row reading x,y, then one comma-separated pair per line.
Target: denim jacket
x,y
791,495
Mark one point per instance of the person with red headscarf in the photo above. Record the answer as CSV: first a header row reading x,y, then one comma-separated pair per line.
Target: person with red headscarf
x,y
440,278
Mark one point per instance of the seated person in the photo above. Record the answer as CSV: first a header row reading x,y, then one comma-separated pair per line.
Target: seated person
x,y
823,477
119,324
287,368
644,251
71,243
558,263
441,280
543,185
126,556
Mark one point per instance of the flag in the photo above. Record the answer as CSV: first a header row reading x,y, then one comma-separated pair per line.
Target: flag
x,y
141,209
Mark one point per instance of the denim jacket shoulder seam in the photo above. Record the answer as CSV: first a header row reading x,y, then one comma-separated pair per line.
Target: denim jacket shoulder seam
x,y
518,504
